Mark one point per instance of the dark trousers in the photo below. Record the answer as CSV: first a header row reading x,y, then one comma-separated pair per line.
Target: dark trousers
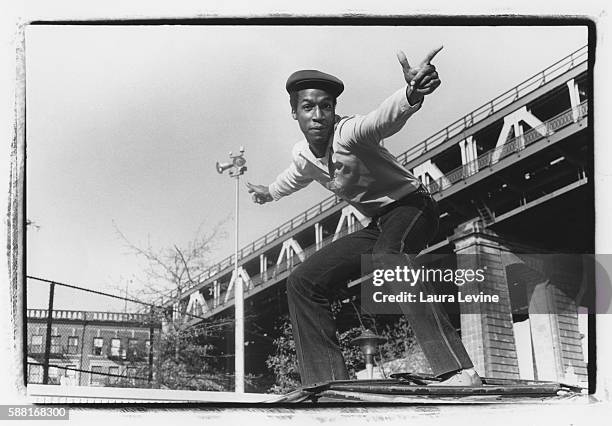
x,y
405,227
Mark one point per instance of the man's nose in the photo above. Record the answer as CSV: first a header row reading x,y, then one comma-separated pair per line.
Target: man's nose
x,y
317,113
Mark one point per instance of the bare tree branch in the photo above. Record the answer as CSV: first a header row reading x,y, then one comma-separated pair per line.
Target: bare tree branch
x,y
148,254
170,270
185,264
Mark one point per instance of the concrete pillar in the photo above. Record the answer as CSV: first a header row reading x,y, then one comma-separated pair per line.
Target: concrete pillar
x,y
216,293
469,155
462,148
555,330
263,267
176,314
544,335
318,228
574,96
486,328
524,349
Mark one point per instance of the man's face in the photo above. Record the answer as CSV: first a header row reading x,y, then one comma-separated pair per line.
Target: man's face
x,y
315,113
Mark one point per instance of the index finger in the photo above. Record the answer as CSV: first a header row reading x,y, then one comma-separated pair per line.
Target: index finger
x,y
401,57
249,185
431,55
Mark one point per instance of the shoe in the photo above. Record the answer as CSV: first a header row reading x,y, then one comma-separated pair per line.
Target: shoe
x,y
467,377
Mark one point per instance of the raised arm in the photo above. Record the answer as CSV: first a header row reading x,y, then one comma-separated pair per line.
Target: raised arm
x,y
394,111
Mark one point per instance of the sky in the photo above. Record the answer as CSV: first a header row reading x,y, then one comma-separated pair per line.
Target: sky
x,y
125,124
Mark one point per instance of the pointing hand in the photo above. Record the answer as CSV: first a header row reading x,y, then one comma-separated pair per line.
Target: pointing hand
x,y
423,79
261,194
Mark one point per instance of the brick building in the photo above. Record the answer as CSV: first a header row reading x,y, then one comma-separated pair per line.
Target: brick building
x,y
91,348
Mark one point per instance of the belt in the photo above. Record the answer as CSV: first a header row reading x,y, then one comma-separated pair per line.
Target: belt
x,y
420,192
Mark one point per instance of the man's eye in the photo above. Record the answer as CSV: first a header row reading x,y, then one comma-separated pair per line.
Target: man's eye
x,y
307,107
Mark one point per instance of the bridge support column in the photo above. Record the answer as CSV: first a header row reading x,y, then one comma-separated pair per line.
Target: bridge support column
x,y
574,95
290,248
513,122
318,228
263,267
486,328
196,305
348,219
553,320
176,311
216,292
469,155
243,279
428,172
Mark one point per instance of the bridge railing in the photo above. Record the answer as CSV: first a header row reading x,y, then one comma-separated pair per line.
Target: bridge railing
x,y
514,145
558,68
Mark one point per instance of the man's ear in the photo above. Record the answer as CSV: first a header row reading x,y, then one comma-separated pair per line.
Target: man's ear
x,y
293,114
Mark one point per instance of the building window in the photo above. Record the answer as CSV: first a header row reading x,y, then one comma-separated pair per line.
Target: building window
x,y
36,344
98,342
96,377
113,375
56,348
71,375
35,373
73,345
54,376
115,349
131,373
133,348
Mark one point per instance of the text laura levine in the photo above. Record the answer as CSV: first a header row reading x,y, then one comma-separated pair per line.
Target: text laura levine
x,y
406,297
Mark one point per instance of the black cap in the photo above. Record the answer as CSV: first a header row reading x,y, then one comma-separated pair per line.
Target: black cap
x,y
313,79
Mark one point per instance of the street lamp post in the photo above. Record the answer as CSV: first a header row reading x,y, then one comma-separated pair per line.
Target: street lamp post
x,y
236,169
368,343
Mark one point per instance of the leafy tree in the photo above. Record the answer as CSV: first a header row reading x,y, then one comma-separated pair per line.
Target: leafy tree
x,y
283,363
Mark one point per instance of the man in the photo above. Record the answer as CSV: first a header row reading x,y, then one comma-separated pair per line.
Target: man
x,y
345,156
